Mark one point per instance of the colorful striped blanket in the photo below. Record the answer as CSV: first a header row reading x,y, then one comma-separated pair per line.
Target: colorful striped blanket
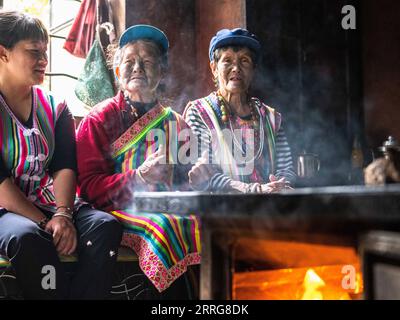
x,y
166,244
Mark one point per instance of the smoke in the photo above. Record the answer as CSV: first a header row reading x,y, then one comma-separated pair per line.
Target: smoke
x,y
310,72
300,76
311,99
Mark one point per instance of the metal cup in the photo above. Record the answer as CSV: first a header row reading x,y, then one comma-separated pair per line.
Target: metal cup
x,y
308,164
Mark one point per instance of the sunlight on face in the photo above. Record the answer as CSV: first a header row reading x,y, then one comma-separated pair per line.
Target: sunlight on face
x,y
140,68
234,70
28,61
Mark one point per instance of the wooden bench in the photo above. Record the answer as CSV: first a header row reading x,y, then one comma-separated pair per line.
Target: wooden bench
x,y
128,281
124,254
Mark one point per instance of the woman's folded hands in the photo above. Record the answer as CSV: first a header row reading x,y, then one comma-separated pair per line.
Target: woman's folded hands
x,y
201,173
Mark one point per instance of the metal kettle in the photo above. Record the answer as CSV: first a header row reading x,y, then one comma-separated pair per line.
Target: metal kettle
x,y
390,148
308,165
391,151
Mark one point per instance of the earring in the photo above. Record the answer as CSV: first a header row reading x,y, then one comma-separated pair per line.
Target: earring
x,y
117,72
215,80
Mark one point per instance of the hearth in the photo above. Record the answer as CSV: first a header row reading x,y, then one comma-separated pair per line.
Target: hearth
x,y
301,244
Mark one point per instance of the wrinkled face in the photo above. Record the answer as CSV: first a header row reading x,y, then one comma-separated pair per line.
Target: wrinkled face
x,y
27,61
140,69
234,70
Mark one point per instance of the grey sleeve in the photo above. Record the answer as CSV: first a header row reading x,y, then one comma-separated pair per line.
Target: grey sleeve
x,y
284,160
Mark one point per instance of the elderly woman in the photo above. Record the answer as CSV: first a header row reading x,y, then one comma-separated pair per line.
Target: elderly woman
x,y
39,217
239,135
128,143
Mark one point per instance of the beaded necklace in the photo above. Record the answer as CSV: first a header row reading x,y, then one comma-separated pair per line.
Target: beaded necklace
x,y
225,112
255,118
133,112
137,109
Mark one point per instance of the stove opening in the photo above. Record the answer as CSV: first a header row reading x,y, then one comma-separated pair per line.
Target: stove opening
x,y
287,270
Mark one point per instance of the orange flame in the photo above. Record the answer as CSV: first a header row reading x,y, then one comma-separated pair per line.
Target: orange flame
x,y
313,285
316,289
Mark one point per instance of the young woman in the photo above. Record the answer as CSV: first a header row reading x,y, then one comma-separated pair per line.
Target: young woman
x,y
39,215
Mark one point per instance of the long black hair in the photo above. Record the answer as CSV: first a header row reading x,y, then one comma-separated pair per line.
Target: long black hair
x,y
16,26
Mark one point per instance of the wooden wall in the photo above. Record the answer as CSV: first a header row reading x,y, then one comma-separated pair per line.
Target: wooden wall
x,y
310,72
189,25
381,55
118,10
176,19
212,16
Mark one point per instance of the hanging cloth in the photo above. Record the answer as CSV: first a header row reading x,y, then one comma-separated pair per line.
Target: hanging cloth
x,y
83,30
94,83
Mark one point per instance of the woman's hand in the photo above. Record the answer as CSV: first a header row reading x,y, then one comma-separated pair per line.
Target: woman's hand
x,y
275,185
201,172
64,234
155,168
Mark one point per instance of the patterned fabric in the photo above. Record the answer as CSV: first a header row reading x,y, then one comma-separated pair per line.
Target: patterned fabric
x,y
210,110
166,244
204,117
27,152
94,83
99,183
142,139
154,119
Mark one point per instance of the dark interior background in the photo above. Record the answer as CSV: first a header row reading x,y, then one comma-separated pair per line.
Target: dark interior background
x,y
333,86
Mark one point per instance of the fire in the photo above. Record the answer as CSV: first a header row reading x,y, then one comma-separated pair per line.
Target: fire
x,y
316,289
316,283
288,270
359,284
312,286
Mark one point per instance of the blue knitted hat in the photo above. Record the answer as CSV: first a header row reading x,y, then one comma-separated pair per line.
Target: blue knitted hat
x,y
143,31
234,37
